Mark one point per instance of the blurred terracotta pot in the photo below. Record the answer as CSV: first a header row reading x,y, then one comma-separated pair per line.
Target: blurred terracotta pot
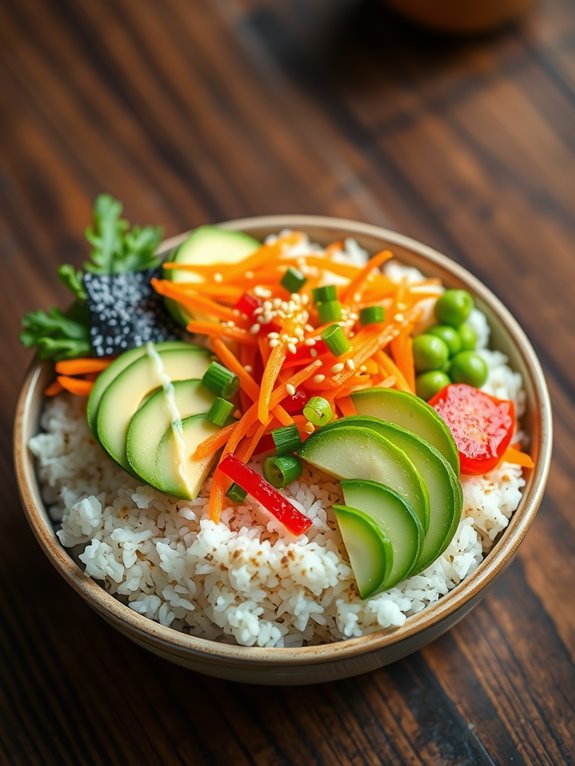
x,y
461,16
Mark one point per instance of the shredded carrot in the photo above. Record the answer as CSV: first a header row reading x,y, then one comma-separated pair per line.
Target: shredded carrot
x,y
53,389
229,293
193,301
217,493
271,372
513,455
219,330
401,349
389,367
75,385
81,366
214,442
346,405
357,284
262,255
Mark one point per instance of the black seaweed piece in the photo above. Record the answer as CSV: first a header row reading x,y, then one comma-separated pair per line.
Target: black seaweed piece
x,y
125,312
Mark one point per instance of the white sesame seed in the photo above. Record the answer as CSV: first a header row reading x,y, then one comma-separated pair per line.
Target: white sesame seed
x,y
310,342
313,353
273,335
259,310
318,378
350,364
309,328
399,317
292,348
248,368
218,277
255,328
337,368
363,368
290,389
309,428
274,342
262,292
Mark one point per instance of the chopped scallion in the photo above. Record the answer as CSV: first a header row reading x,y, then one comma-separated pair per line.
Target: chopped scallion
x,y
318,411
293,280
286,439
371,315
281,470
220,411
220,380
335,340
236,493
325,293
330,311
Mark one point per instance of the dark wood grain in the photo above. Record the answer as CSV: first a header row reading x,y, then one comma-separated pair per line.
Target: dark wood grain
x,y
194,112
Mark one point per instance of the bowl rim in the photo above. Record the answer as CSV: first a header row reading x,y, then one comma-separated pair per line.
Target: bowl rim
x,y
149,631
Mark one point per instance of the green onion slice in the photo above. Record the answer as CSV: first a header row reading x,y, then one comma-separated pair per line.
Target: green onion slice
x,y
330,311
335,340
293,280
220,380
236,493
220,411
371,315
325,293
318,411
281,470
286,439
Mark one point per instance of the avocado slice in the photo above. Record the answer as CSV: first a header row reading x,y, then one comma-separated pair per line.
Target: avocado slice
x,y
349,452
116,367
125,393
397,519
369,550
411,412
177,472
151,421
206,245
443,486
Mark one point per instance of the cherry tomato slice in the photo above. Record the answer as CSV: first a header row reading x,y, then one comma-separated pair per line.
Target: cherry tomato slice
x,y
481,425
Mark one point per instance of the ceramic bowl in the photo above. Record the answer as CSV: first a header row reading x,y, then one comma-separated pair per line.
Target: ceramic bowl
x,y
341,659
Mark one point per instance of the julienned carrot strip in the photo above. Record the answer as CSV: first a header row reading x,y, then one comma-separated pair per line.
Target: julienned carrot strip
x,y
53,389
400,348
346,405
217,494
219,330
75,385
81,366
513,455
262,255
193,301
271,372
249,446
214,442
360,280
389,367
335,267
213,289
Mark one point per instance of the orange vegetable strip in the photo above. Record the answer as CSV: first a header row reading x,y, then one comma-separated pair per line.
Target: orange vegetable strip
x,y
229,360
389,367
513,455
269,378
262,255
217,495
346,405
357,284
222,292
214,442
190,301
249,446
75,386
403,358
81,366
53,389
341,269
218,330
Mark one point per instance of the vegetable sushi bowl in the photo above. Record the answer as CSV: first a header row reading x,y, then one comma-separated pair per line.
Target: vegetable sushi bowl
x,y
334,523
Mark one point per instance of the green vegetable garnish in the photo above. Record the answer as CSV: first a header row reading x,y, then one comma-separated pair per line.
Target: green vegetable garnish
x,y
282,470
57,334
293,280
335,340
318,411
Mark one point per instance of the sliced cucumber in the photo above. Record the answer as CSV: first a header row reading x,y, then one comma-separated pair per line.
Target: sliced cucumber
x,y
125,393
207,245
116,367
183,399
397,519
443,486
177,471
369,550
411,412
361,453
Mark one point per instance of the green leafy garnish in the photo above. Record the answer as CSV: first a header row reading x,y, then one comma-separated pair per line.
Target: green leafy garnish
x,y
117,248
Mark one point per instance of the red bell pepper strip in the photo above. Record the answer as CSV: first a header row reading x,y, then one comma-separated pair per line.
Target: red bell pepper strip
x,y
262,491
247,305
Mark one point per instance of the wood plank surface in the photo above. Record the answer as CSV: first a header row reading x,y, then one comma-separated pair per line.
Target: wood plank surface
x,y
201,111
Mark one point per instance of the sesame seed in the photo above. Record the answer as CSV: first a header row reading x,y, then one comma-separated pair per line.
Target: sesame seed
x,y
337,368
290,389
310,342
248,368
274,342
309,328
363,368
292,348
309,428
273,335
218,277
255,328
399,317
313,353
261,292
350,364
318,378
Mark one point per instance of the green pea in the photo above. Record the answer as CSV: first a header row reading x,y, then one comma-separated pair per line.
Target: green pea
x,y
468,367
468,337
453,307
429,352
449,335
430,383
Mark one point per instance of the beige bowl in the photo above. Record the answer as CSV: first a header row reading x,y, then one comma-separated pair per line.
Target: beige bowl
x,y
328,662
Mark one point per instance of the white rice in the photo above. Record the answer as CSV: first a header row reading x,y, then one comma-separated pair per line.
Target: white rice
x,y
243,580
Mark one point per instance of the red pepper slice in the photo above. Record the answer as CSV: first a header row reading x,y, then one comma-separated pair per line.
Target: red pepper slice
x,y
481,425
295,403
247,305
262,491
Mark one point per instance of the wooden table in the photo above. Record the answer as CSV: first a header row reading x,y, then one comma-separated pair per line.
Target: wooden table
x,y
201,111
